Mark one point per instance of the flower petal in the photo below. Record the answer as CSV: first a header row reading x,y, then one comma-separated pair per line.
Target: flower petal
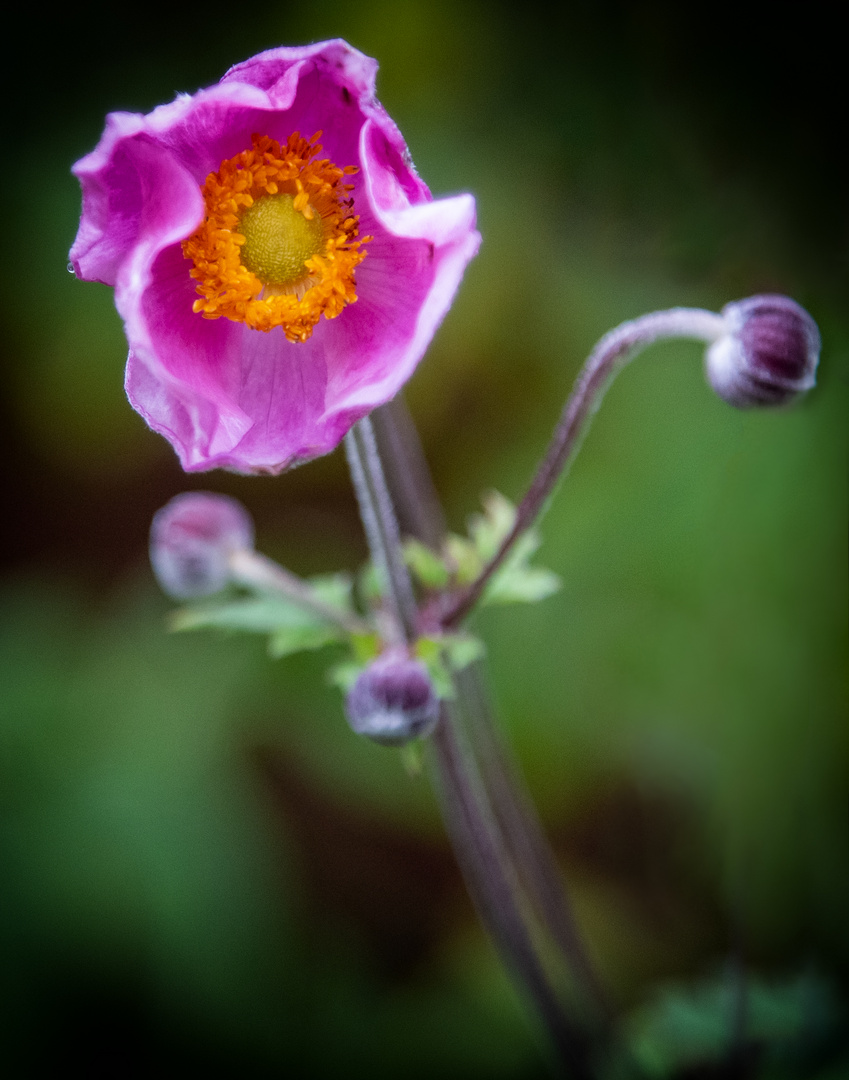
x,y
223,394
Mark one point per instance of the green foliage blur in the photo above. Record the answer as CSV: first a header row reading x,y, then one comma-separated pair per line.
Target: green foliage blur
x,y
203,869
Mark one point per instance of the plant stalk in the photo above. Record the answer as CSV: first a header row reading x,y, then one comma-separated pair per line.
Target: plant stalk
x,y
513,813
468,816
611,353
258,572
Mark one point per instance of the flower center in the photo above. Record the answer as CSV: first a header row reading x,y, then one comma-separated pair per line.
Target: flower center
x,y
279,240
279,243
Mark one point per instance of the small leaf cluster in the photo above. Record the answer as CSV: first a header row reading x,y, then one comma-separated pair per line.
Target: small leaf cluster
x,y
292,626
738,1024
463,558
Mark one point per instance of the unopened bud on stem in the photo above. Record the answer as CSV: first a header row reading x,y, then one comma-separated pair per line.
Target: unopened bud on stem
x,y
393,700
768,354
192,539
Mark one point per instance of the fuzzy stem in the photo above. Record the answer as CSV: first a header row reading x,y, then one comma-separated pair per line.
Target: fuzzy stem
x,y
408,475
612,352
263,574
513,812
381,525
486,870
466,810
526,842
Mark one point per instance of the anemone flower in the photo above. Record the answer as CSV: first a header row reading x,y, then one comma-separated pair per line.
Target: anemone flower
x,y
279,266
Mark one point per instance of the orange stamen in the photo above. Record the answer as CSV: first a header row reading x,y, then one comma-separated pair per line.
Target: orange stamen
x,y
278,291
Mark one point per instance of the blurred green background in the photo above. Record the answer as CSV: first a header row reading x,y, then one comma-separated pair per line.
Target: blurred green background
x,y
203,869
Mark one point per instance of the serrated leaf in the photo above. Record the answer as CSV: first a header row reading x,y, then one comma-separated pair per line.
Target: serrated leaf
x,y
344,674
521,584
691,1026
443,684
291,627
426,566
429,651
254,615
461,650
428,648
365,646
487,530
516,581
527,545
335,590
293,639
463,557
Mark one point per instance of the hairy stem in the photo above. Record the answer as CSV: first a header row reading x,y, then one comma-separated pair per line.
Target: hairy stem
x,y
468,816
487,873
514,815
606,359
526,842
381,525
259,572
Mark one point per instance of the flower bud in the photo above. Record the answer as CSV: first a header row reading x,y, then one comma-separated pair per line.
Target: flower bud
x,y
393,700
768,354
191,540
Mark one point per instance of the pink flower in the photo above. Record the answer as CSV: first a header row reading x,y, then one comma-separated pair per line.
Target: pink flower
x,y
276,285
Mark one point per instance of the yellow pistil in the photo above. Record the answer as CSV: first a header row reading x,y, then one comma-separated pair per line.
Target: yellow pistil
x,y
279,243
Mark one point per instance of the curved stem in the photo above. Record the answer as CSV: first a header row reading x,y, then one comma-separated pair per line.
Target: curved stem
x,y
526,843
487,872
502,795
478,842
610,354
259,572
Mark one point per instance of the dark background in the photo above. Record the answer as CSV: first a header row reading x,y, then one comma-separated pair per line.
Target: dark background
x,y
203,869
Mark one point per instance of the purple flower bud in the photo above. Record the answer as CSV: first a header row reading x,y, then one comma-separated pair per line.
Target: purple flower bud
x,y
191,540
393,700
768,354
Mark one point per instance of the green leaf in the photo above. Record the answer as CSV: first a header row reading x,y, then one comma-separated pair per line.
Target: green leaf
x,y
443,684
292,639
516,581
487,530
429,651
428,648
426,566
527,545
370,586
412,758
335,590
366,646
344,674
520,584
291,627
463,557
461,650
253,615
689,1027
